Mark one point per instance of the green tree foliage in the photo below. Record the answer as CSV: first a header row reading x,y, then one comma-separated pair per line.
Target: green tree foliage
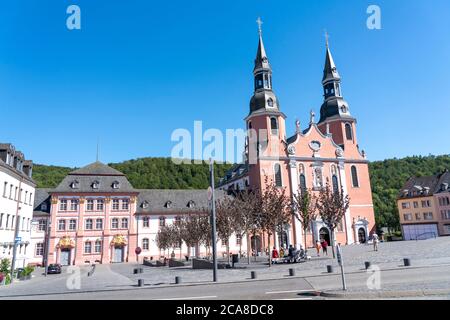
x,y
49,176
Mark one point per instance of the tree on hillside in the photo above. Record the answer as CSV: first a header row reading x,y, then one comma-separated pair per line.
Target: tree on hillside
x,y
332,206
304,208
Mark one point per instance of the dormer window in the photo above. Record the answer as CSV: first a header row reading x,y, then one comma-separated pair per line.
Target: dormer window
x,y
116,185
75,184
145,204
191,204
168,204
95,184
44,206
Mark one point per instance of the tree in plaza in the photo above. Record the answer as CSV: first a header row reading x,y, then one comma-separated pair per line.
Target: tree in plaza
x,y
176,240
304,208
192,230
225,221
163,240
332,206
276,210
247,215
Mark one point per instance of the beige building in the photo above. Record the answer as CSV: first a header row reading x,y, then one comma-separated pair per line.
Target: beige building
x,y
424,207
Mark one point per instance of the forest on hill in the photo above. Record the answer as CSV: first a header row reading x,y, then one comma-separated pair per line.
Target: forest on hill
x,y
387,177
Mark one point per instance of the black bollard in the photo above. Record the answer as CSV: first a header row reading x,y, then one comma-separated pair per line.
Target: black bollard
x,y
367,264
291,272
253,274
140,282
177,280
407,262
330,269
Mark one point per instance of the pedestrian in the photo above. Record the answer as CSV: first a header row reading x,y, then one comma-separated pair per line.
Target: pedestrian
x,y
275,255
282,252
324,247
318,246
291,253
375,241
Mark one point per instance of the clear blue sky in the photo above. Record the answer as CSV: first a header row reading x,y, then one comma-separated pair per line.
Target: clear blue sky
x,y
139,69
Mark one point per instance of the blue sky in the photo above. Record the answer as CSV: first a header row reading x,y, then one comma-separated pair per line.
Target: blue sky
x,y
139,69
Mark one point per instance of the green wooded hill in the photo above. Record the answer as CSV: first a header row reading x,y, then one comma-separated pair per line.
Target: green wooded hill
x,y
387,177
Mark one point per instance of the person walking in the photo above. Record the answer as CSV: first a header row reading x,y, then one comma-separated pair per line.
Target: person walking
x,y
318,246
291,253
275,255
375,241
324,247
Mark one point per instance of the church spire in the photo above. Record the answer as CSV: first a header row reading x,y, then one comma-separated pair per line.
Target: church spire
x,y
263,98
261,60
334,104
330,73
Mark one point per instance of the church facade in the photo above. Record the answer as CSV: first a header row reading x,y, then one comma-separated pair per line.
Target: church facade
x,y
327,150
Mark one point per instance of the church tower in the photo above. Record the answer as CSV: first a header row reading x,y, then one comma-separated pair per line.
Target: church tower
x,y
335,117
265,122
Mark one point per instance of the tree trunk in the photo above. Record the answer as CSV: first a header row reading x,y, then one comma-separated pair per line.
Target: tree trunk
x,y
228,251
249,248
332,243
270,255
304,234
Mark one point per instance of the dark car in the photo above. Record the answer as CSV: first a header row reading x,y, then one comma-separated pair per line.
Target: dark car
x,y
54,269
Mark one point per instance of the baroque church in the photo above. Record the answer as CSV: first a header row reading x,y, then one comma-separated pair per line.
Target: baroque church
x,y
327,150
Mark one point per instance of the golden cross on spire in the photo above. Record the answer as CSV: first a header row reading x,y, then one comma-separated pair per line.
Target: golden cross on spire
x,y
259,22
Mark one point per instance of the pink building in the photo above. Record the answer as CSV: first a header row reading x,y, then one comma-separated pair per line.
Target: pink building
x,y
326,150
92,217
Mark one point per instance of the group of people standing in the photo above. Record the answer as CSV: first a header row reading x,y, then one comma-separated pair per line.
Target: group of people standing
x,y
323,244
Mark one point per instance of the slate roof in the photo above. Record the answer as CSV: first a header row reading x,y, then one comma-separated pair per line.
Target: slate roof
x,y
85,177
97,168
42,195
234,173
173,201
423,186
443,184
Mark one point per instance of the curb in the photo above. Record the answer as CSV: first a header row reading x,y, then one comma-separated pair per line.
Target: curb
x,y
385,294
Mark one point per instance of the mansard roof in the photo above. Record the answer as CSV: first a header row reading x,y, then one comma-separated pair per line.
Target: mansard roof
x,y
181,201
97,168
425,186
83,180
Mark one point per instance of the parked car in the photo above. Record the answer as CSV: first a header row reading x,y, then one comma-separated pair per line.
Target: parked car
x,y
54,269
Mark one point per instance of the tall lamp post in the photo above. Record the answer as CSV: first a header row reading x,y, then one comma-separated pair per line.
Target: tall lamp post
x,y
47,247
211,197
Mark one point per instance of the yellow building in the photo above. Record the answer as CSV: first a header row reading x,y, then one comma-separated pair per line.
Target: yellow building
x,y
423,207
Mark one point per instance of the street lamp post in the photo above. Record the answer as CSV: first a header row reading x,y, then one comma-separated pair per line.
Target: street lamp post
x,y
47,249
213,219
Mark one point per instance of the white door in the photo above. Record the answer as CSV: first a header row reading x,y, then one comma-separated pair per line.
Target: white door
x,y
420,231
65,257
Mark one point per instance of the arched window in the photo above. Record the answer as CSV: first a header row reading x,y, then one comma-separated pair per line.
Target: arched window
x,y
270,102
274,125
355,177
302,182
145,244
335,184
278,181
348,131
